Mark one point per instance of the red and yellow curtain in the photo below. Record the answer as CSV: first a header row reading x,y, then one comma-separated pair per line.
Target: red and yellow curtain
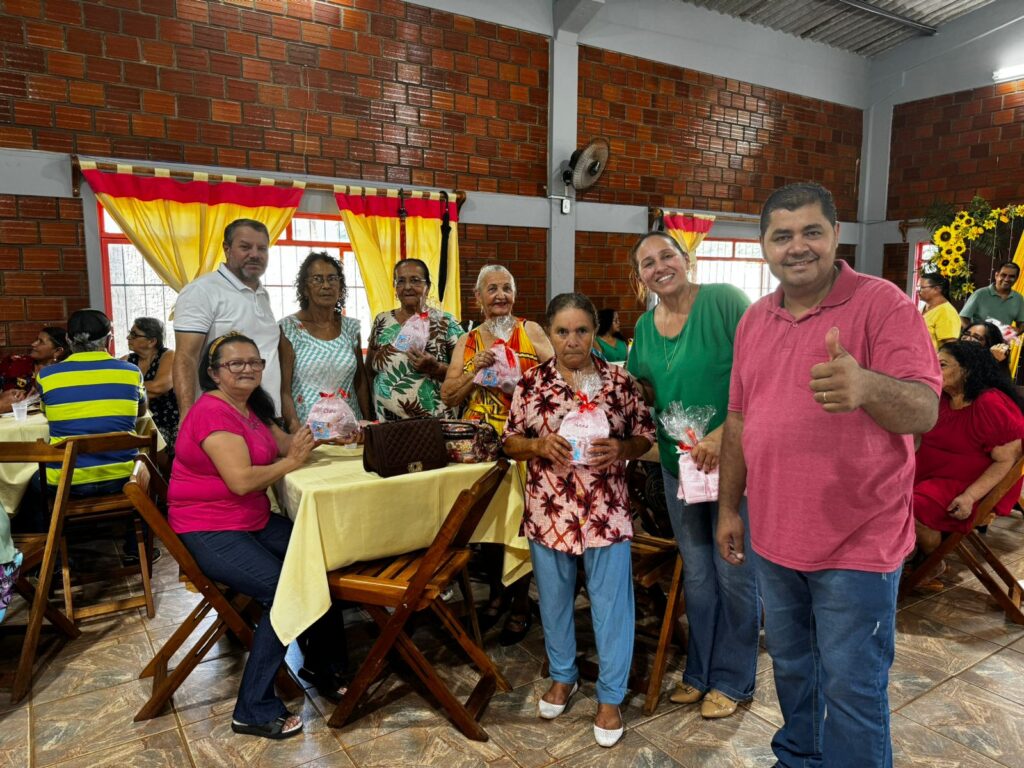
x,y
688,229
178,226
376,225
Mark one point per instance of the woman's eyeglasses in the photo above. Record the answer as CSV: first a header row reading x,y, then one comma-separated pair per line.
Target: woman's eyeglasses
x,y
971,337
132,335
237,366
321,279
414,282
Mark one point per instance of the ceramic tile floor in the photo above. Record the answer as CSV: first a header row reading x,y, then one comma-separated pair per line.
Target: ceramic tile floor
x,y
956,691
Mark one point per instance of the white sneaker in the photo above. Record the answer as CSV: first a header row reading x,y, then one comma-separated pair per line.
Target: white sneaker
x,y
550,711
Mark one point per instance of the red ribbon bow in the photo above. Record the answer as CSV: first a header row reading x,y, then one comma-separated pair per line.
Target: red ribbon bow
x,y
510,356
425,315
682,446
586,404
328,395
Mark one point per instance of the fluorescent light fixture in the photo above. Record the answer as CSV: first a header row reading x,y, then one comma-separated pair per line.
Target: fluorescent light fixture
x,y
1008,73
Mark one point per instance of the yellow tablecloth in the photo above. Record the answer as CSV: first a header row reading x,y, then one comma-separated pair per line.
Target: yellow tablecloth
x,y
14,478
343,514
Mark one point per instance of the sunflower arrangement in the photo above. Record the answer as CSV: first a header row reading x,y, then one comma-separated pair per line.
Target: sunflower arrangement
x,y
956,234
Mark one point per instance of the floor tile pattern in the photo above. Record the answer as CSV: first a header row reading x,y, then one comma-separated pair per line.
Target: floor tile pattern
x,y
956,690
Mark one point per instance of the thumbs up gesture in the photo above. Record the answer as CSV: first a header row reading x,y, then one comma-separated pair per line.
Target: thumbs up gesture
x,y
839,383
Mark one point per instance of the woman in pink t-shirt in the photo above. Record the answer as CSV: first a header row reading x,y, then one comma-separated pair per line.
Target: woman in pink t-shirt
x,y
229,451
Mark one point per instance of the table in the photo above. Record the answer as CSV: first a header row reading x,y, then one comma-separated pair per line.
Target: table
x,y
343,515
14,478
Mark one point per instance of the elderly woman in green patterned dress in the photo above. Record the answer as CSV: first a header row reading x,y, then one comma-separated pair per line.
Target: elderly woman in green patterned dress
x,y
408,384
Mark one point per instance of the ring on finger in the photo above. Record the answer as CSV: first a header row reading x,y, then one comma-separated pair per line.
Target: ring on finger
x,y
824,397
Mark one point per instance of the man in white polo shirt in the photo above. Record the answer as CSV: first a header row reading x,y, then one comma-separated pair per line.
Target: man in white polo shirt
x,y
229,299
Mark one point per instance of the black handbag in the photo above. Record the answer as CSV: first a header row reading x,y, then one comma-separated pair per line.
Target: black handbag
x,y
400,447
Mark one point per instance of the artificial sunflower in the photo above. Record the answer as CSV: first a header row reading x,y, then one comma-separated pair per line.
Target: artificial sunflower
x,y
943,236
959,248
968,221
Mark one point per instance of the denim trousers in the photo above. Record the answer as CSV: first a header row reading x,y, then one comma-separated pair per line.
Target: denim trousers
x,y
609,572
722,607
831,636
250,563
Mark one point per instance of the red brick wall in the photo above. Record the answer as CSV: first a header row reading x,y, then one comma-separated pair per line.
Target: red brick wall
x,y
602,273
383,91
952,147
896,262
685,139
522,250
42,266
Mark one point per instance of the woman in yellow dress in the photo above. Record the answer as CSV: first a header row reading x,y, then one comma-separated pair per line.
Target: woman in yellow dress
x,y
496,295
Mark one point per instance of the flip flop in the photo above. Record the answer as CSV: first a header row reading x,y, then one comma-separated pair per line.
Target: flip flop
x,y
272,730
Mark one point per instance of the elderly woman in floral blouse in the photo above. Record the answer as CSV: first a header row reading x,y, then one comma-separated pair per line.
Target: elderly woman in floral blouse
x,y
576,510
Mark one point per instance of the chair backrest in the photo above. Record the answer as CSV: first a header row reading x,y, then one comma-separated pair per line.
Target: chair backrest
x,y
40,452
983,512
459,525
147,492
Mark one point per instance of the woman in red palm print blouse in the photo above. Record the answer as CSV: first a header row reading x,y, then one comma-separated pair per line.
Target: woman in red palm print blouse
x,y
575,510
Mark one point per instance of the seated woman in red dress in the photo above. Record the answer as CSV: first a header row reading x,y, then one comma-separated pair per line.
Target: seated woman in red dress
x,y
975,442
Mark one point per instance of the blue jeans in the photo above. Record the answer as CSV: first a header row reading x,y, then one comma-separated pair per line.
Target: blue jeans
x,y
722,607
831,636
250,562
610,589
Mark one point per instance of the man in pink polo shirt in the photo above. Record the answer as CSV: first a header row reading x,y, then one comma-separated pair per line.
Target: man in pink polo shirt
x,y
833,374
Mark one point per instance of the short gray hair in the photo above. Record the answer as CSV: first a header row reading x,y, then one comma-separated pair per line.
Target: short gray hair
x,y
152,329
487,269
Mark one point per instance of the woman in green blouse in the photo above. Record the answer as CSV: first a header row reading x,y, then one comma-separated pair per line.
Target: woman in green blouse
x,y
609,341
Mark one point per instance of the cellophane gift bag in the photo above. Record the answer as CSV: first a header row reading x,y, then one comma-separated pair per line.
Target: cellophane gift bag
x,y
586,422
414,333
688,426
504,374
332,417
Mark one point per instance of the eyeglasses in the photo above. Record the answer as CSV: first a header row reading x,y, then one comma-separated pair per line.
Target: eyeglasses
x,y
972,337
132,335
237,366
320,279
923,287
414,282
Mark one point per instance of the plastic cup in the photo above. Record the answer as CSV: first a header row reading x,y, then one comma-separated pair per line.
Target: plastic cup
x,y
20,411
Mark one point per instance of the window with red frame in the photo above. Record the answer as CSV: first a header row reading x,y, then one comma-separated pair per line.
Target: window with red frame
x,y
132,289
737,262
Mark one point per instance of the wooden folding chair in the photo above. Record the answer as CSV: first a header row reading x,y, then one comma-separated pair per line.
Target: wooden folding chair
x,y
40,550
654,559
147,493
83,510
391,590
976,554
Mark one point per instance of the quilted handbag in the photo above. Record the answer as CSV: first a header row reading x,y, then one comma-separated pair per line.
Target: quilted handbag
x,y
400,447
470,442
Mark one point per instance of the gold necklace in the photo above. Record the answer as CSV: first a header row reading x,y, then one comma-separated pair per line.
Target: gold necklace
x,y
675,343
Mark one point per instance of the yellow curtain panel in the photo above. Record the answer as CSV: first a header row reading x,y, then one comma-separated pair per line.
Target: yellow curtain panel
x,y
375,231
688,230
1018,259
178,226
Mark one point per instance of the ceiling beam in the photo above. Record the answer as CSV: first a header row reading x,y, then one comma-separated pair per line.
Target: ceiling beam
x,y
917,26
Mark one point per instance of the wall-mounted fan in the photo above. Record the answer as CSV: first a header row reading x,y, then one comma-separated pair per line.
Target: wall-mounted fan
x,y
586,165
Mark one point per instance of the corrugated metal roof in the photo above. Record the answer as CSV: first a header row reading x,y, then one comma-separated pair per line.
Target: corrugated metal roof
x,y
844,26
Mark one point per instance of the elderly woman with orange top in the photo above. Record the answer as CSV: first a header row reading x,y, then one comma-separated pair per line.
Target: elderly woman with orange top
x,y
496,295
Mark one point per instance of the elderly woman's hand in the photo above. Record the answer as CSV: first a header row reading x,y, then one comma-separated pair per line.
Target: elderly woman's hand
x,y
604,452
483,359
422,362
301,445
961,507
555,449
